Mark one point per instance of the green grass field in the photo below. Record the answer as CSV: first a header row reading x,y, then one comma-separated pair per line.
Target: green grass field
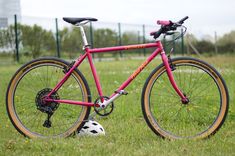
x,y
126,130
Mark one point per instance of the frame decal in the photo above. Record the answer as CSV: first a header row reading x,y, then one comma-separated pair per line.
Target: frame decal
x,y
139,69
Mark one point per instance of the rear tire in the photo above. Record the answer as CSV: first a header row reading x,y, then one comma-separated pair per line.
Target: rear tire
x,y
31,82
201,117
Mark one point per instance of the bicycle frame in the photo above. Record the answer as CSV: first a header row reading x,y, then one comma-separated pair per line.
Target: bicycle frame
x,y
120,91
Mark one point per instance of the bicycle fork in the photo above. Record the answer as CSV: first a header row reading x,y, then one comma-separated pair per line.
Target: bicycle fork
x,y
165,61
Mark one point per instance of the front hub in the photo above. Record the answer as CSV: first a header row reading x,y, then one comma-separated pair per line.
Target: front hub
x,y
186,100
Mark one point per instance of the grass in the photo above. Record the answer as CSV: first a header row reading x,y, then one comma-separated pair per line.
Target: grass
x,y
126,131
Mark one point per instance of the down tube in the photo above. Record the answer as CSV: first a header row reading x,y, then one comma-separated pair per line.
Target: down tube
x,y
143,65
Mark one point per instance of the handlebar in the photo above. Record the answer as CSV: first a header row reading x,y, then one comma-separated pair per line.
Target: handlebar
x,y
182,20
167,26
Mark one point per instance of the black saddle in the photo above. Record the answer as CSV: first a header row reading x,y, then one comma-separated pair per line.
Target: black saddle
x,y
76,21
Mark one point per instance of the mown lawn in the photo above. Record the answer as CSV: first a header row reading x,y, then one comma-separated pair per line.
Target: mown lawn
x,y
126,131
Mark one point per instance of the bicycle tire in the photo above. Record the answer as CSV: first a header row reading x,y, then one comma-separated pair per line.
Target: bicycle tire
x,y
24,90
204,114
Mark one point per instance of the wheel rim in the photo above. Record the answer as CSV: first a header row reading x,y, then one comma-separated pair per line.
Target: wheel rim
x,y
178,120
64,118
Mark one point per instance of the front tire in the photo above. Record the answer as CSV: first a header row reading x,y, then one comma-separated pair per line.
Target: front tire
x,y
168,117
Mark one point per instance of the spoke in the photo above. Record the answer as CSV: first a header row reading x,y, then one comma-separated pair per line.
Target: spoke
x,y
178,77
39,76
52,71
165,88
185,120
28,90
202,91
190,80
198,79
27,108
177,112
213,98
195,88
29,84
47,75
168,110
40,124
203,118
58,76
32,117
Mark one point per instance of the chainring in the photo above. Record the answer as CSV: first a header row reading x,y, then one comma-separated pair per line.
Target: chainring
x,y
103,111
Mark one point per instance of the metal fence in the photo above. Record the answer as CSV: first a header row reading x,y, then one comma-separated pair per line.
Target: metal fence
x,y
29,37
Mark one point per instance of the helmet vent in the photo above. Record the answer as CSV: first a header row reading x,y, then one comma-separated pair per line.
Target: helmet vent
x,y
94,131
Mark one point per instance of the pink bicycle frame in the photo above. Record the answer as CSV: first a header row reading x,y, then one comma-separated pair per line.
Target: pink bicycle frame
x,y
120,90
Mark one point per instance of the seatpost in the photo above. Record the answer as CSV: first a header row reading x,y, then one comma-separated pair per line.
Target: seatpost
x,y
83,36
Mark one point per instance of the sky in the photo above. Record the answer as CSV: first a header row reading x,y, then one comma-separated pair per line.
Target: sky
x,y
205,16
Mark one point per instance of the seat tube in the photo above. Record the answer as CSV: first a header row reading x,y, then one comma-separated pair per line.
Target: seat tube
x,y
171,77
94,73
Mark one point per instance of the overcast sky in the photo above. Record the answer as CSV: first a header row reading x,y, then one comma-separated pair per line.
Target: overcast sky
x,y
206,16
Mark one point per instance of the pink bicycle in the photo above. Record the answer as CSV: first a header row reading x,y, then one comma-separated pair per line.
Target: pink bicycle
x,y
182,97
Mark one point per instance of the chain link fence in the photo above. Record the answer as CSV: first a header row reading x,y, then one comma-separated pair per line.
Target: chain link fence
x,y
25,38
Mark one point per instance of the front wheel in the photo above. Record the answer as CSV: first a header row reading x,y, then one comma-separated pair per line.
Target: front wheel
x,y
35,80
208,97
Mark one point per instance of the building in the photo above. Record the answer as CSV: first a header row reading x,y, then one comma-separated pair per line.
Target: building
x,y
9,8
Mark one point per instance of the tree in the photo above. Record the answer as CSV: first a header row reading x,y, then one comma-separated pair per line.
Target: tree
x,y
130,37
36,39
104,38
205,46
227,43
71,42
7,39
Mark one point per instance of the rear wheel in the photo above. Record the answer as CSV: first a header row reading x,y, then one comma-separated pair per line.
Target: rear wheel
x,y
25,106
208,97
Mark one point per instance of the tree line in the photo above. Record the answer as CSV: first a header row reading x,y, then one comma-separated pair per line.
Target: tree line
x,y
35,41
221,45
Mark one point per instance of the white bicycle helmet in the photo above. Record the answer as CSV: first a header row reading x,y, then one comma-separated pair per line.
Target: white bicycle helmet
x,y
91,128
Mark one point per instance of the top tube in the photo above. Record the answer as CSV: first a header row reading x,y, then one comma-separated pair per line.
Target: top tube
x,y
157,44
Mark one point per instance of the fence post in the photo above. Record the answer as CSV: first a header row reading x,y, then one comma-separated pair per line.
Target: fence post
x,y
57,38
182,41
120,37
144,50
139,41
91,37
16,40
216,48
138,33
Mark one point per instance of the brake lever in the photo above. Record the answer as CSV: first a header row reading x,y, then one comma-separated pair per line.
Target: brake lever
x,y
177,24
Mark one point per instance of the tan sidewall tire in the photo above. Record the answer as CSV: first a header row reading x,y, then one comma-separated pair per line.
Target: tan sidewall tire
x,y
147,88
10,93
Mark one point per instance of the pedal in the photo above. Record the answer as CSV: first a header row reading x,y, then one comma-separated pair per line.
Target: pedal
x,y
122,92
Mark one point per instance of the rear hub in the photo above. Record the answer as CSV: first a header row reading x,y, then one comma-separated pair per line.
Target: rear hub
x,y
42,105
